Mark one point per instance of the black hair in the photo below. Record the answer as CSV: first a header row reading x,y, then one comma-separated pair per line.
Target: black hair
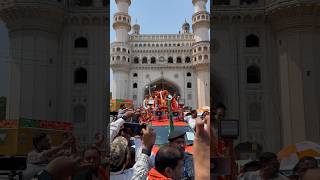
x,y
266,157
220,106
302,160
194,111
168,156
252,164
37,138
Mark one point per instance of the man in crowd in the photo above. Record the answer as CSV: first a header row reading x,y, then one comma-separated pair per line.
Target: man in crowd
x,y
177,139
96,172
219,114
220,111
60,168
192,121
269,169
249,167
168,164
136,116
303,165
115,126
121,111
43,153
120,158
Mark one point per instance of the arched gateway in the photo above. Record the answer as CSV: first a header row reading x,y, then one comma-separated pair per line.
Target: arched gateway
x,y
162,84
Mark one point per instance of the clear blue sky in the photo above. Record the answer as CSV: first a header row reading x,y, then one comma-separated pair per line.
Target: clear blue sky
x,y
156,16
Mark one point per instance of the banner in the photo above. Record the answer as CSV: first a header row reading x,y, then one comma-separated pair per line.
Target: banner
x,y
55,125
8,124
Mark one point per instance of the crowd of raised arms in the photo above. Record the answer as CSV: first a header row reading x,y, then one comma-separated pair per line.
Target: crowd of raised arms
x,y
128,154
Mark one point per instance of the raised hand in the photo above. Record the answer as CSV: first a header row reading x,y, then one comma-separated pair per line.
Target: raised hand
x,y
149,137
201,149
129,114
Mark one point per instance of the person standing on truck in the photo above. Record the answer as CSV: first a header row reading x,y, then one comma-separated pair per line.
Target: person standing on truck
x,y
122,110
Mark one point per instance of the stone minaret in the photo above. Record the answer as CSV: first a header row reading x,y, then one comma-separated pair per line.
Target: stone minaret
x,y
201,50
120,51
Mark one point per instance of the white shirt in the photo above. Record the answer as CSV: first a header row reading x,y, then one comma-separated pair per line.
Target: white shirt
x,y
122,175
115,128
192,123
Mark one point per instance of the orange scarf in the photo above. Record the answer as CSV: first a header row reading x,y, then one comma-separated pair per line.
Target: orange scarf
x,y
155,175
102,173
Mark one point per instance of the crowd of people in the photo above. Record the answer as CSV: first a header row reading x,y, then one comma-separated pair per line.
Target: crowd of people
x,y
65,162
131,155
267,166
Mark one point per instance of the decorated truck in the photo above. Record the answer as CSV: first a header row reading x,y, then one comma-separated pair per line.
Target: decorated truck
x,y
16,135
115,104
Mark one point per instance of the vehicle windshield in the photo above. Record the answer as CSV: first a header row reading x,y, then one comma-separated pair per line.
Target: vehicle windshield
x,y
163,133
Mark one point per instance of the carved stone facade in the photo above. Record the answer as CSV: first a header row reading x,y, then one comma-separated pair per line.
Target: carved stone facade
x,y
58,66
178,61
270,49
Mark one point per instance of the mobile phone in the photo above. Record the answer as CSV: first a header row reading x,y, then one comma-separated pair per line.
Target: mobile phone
x,y
135,127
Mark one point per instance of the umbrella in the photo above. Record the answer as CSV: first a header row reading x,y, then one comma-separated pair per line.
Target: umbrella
x,y
203,109
289,156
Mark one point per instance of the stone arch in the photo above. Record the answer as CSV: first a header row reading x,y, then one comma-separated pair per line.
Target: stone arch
x,y
163,83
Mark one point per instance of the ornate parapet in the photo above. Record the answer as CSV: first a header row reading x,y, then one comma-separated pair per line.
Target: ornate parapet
x,y
295,16
161,37
201,53
276,4
121,19
7,4
201,18
85,20
45,15
238,17
118,66
120,55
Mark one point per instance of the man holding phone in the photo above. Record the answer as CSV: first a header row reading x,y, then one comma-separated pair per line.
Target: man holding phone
x,y
92,156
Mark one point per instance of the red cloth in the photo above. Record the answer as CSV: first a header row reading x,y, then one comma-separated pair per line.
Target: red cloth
x,y
174,104
155,175
103,173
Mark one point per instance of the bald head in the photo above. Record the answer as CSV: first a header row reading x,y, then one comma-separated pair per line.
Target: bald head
x,y
312,174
